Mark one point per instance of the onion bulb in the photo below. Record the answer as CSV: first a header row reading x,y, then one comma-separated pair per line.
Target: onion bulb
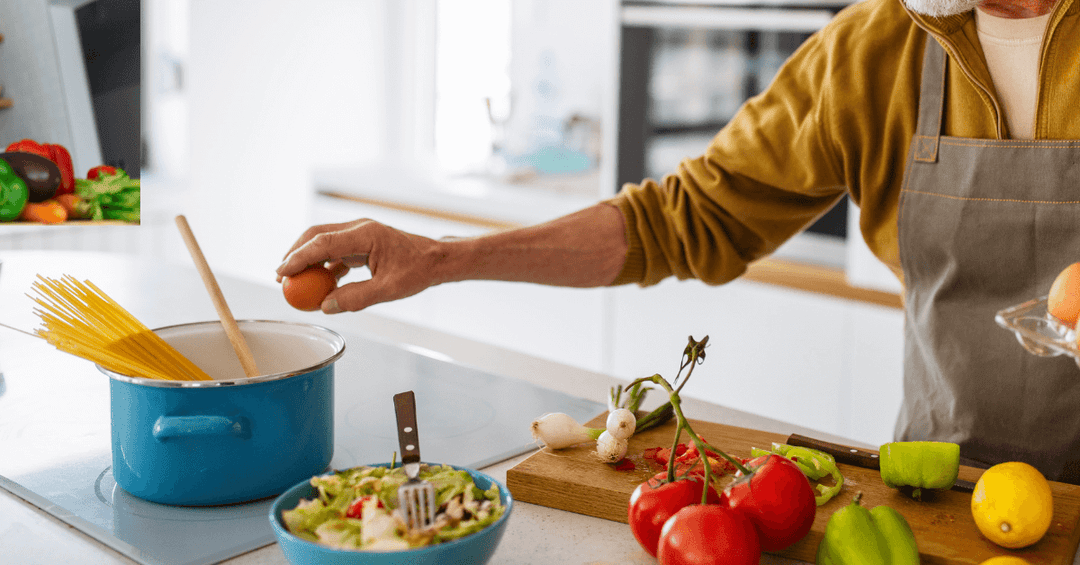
x,y
609,448
621,423
557,430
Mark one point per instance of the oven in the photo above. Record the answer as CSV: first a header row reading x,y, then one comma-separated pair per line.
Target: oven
x,y
684,70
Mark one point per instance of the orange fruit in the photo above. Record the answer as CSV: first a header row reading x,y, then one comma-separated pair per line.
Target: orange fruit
x,y
1012,504
307,289
1005,560
1063,301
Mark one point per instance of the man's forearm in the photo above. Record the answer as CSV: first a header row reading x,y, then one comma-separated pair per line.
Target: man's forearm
x,y
583,249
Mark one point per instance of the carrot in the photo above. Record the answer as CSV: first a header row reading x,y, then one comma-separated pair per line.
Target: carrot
x,y
47,212
74,206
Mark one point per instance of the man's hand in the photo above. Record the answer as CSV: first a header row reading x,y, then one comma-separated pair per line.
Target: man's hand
x,y
401,264
584,249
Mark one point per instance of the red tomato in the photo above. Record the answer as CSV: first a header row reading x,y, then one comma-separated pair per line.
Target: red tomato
x,y
653,502
777,498
307,289
356,509
708,535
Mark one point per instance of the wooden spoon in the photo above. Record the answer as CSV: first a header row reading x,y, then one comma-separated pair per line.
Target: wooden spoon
x,y
231,329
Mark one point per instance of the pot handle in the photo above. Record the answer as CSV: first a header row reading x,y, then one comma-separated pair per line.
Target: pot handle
x,y
174,427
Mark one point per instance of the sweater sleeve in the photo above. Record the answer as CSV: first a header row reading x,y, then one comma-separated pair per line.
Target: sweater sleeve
x,y
766,176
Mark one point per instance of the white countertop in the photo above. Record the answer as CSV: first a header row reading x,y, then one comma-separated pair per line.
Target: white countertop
x,y
535,534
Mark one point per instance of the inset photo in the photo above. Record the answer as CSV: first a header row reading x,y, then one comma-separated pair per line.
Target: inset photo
x,y
70,147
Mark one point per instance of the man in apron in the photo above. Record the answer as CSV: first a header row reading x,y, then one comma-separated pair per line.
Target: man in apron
x,y
972,221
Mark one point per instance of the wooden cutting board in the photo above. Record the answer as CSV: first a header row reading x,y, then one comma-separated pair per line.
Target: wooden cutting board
x,y
572,479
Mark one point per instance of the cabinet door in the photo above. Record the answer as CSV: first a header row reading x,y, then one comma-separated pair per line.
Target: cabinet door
x,y
828,364
877,373
559,324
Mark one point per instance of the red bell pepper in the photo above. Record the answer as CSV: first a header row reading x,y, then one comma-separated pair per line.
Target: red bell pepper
x,y
29,146
62,158
93,174
55,153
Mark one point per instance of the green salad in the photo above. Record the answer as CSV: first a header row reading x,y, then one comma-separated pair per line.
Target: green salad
x,y
357,509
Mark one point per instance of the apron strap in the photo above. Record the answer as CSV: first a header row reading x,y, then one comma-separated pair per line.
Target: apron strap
x,y
931,102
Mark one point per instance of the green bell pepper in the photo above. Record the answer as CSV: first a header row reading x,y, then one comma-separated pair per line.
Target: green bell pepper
x,y
13,193
915,465
111,196
855,535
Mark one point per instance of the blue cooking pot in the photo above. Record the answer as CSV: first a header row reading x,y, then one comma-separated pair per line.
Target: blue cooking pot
x,y
235,438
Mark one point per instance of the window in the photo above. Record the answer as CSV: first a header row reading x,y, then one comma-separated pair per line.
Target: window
x,y
472,84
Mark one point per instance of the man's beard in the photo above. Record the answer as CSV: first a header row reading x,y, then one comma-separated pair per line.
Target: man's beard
x,y
941,8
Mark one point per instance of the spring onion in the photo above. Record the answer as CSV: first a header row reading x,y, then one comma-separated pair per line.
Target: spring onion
x,y
557,431
611,449
621,423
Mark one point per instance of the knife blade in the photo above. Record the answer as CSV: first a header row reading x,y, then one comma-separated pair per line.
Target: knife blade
x,y
857,457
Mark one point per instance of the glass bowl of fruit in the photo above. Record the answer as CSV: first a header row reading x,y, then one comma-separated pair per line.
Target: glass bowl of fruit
x,y
1046,326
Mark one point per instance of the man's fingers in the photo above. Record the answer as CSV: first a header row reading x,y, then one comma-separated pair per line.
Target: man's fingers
x,y
338,269
354,261
325,246
352,297
312,232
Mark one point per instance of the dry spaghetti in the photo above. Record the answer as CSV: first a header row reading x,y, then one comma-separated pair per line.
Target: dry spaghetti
x,y
82,320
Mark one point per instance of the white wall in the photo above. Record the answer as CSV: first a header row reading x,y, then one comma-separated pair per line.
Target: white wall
x,y
274,88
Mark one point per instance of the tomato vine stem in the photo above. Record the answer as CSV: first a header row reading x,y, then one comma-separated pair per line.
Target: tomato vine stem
x,y
693,354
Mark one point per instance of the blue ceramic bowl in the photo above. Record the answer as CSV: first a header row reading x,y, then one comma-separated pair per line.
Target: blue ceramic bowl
x,y
473,549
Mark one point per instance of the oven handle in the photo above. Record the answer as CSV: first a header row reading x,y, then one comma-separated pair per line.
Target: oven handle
x,y
722,17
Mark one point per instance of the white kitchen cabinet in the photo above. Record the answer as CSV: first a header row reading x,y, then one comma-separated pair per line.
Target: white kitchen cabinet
x,y
816,361
876,358
772,351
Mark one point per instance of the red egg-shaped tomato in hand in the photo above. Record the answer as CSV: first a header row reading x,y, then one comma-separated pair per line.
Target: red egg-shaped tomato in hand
x,y
1063,301
778,500
307,289
708,534
654,501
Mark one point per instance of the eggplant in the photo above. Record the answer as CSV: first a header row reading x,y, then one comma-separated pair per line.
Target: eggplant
x,y
41,175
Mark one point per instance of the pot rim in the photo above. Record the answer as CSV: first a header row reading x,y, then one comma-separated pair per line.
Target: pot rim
x,y
144,381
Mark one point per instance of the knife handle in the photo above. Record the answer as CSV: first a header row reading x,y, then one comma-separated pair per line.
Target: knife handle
x,y
408,437
842,453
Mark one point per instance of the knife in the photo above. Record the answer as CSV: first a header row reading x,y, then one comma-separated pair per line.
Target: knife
x,y
857,457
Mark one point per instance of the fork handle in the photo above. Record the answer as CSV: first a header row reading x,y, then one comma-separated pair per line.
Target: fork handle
x,y
408,438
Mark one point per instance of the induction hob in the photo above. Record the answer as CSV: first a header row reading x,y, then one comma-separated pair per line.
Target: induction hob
x,y
55,442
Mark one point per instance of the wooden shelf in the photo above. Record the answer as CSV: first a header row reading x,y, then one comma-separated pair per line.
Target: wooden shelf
x,y
815,278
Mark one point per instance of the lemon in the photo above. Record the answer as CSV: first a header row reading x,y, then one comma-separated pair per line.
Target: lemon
x,y
1012,505
1005,560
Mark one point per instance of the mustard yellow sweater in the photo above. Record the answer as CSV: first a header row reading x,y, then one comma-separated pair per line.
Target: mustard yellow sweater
x,y
837,119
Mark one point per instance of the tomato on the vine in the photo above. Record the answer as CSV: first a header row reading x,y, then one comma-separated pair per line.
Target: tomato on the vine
x,y
654,501
778,500
708,534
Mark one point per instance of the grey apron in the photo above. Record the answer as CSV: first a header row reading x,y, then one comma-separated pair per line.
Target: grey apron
x,y
985,224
